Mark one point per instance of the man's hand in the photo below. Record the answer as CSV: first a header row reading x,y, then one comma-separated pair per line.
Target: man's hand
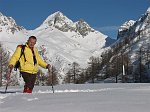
x,y
49,67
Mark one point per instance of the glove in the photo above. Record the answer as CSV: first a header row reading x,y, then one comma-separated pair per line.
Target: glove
x,y
49,67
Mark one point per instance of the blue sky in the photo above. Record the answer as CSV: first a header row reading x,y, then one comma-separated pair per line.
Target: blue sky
x,y
103,15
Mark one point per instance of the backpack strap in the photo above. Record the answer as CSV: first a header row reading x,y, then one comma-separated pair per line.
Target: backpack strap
x,y
22,52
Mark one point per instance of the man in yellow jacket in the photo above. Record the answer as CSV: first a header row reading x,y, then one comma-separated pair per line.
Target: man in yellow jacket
x,y
29,62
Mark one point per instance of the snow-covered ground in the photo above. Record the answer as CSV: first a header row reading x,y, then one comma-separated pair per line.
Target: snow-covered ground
x,y
79,98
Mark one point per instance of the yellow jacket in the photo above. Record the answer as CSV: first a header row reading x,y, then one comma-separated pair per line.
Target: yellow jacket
x,y
28,65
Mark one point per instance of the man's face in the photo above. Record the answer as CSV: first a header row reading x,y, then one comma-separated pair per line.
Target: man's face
x,y
31,42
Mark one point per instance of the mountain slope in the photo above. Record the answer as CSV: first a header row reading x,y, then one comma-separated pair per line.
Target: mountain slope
x,y
137,33
129,55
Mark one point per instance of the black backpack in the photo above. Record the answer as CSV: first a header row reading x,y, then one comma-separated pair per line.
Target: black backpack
x,y
17,65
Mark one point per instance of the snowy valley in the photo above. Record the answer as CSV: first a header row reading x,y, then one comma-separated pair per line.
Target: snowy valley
x,y
69,45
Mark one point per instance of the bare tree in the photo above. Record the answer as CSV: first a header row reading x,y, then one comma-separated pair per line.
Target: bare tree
x,y
73,74
68,77
94,68
52,77
4,57
48,78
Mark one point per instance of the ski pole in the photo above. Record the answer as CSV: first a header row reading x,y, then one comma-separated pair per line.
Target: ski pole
x,y
52,88
50,73
6,87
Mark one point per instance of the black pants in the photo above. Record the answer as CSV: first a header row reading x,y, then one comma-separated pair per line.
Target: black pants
x,y
29,79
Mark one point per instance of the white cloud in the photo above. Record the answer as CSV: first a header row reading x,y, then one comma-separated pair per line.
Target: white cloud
x,y
107,28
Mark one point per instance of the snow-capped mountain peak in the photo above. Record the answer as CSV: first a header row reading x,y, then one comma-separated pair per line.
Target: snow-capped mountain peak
x,y
133,27
6,20
8,24
148,10
64,24
83,28
1,14
126,25
57,19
